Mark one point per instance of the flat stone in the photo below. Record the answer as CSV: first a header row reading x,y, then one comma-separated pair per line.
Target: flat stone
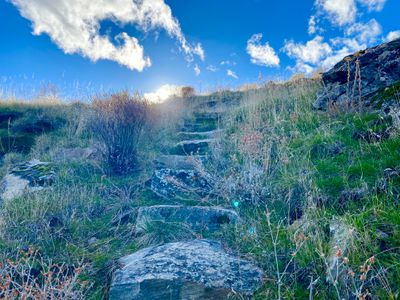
x,y
198,269
179,184
75,154
199,147
179,161
198,218
29,176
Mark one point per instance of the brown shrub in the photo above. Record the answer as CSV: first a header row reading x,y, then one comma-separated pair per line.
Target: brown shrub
x,y
30,276
187,91
118,123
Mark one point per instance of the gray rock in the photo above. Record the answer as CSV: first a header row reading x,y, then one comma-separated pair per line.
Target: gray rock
x,y
198,218
179,184
198,269
29,176
342,236
180,162
76,154
379,67
352,195
199,147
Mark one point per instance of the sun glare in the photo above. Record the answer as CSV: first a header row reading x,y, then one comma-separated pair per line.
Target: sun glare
x,y
164,93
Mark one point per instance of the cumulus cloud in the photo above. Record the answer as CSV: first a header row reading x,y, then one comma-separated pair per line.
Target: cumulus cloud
x,y
232,74
197,70
355,34
340,12
74,26
316,54
311,52
365,32
261,54
373,5
393,35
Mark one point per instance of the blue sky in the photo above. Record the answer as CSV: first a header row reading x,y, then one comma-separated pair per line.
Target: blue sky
x,y
86,47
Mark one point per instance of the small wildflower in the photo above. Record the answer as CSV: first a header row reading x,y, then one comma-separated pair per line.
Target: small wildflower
x,y
338,252
346,260
363,277
371,260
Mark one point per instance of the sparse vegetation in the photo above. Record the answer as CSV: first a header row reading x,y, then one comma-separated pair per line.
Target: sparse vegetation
x,y
297,178
118,123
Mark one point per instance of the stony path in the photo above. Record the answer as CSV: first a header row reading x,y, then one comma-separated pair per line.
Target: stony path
x,y
188,269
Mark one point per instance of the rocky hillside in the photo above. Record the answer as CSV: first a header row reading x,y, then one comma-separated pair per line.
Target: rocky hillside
x,y
236,195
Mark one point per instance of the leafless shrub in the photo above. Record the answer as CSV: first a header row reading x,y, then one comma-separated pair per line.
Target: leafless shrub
x,y
118,123
30,276
187,91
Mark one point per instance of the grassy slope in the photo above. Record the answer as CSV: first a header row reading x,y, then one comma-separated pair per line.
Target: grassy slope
x,y
301,178
274,153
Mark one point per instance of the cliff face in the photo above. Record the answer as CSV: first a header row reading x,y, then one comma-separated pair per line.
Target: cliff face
x,y
361,76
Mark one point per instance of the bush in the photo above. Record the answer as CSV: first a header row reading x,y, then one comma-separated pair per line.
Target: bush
x,y
187,92
118,123
30,276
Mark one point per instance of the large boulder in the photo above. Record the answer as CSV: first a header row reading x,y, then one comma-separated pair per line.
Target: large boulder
x,y
179,184
198,269
198,218
28,176
379,68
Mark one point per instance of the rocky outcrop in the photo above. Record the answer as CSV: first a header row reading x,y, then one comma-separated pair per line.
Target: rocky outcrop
x,y
364,75
199,269
198,218
29,176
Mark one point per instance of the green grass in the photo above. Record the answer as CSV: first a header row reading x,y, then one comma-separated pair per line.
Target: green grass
x,y
275,156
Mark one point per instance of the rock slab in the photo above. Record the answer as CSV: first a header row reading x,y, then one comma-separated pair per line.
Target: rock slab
x,y
179,184
198,269
28,176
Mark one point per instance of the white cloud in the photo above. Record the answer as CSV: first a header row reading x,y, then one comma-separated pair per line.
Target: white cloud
x,y
312,25
340,12
365,32
393,35
302,67
74,26
212,68
333,59
197,70
311,52
232,74
373,5
262,55
227,63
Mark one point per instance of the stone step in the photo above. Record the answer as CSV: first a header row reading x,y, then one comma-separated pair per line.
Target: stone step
x,y
173,184
198,269
199,219
200,124
199,147
179,161
199,135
